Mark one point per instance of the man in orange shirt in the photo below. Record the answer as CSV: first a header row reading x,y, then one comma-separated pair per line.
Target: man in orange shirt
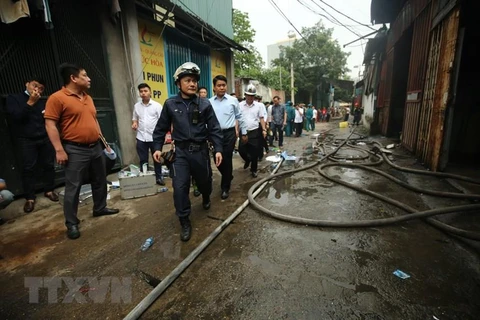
x,y
72,126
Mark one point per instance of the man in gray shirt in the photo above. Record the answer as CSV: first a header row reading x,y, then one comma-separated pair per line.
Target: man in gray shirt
x,y
279,119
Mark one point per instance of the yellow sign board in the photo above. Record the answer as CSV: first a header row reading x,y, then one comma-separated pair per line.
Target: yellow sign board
x,y
153,59
219,65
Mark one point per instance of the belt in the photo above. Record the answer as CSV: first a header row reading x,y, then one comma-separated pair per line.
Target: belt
x,y
191,146
229,129
82,145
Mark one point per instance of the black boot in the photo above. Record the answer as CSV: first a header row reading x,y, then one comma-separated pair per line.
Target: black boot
x,y
206,203
186,229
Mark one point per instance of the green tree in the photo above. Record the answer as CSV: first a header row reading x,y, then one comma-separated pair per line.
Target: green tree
x,y
317,55
247,64
277,78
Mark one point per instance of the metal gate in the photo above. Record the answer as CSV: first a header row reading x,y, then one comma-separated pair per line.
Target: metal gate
x,y
384,107
416,78
437,89
180,50
28,48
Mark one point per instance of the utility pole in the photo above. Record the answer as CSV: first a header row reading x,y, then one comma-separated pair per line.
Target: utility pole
x,y
292,35
292,92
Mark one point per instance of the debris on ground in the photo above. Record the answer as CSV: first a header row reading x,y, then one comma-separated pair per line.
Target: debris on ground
x,y
401,274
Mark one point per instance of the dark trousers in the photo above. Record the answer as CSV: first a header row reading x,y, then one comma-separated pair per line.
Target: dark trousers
x,y
277,131
142,150
226,167
41,152
262,142
298,129
83,161
249,150
190,164
275,136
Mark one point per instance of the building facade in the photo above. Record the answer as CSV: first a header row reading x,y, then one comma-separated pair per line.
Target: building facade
x,y
274,50
425,94
124,43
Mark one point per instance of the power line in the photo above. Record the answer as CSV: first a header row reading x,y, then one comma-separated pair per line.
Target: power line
x,y
349,29
320,14
286,18
346,16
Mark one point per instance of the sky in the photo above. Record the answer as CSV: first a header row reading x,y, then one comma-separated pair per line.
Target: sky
x,y
271,27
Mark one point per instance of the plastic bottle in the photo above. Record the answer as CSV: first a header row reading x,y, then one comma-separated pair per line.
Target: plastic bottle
x,y
163,189
145,168
148,243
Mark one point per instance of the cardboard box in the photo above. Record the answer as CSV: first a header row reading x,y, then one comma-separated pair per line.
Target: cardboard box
x,y
139,186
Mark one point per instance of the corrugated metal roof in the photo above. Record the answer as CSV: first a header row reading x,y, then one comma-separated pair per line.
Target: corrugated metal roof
x,y
217,13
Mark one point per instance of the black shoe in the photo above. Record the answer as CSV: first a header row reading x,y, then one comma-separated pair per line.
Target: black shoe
x,y
186,229
225,194
73,232
105,212
29,206
254,174
196,193
160,182
246,165
206,203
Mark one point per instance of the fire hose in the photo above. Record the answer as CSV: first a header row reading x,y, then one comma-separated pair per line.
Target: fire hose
x,y
413,213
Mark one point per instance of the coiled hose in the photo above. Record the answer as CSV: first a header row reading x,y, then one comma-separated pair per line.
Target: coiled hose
x,y
413,213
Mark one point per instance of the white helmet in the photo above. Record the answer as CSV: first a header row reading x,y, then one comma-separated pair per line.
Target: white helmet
x,y
187,69
251,90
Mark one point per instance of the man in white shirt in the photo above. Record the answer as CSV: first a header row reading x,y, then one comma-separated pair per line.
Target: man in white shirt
x,y
314,120
263,144
252,113
298,120
145,116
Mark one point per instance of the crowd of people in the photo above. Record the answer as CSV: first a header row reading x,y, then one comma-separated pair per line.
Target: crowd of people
x,y
65,130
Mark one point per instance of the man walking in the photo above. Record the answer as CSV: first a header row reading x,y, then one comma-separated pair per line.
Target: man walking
x,y
73,129
194,122
298,120
253,115
290,119
279,119
228,113
145,116
26,110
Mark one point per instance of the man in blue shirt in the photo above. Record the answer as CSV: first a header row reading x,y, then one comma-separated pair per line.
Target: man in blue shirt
x,y
228,113
279,119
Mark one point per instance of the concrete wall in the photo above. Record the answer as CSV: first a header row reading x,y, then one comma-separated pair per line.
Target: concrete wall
x,y
121,84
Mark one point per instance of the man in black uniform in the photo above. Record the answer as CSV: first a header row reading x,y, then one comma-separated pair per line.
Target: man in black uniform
x,y
26,110
194,122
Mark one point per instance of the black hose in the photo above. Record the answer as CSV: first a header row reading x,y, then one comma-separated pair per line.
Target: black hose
x,y
384,221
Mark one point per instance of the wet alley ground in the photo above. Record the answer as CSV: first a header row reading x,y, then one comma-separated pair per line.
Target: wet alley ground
x,y
258,268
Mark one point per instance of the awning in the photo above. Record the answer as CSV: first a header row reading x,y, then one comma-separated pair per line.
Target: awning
x,y
198,28
375,45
